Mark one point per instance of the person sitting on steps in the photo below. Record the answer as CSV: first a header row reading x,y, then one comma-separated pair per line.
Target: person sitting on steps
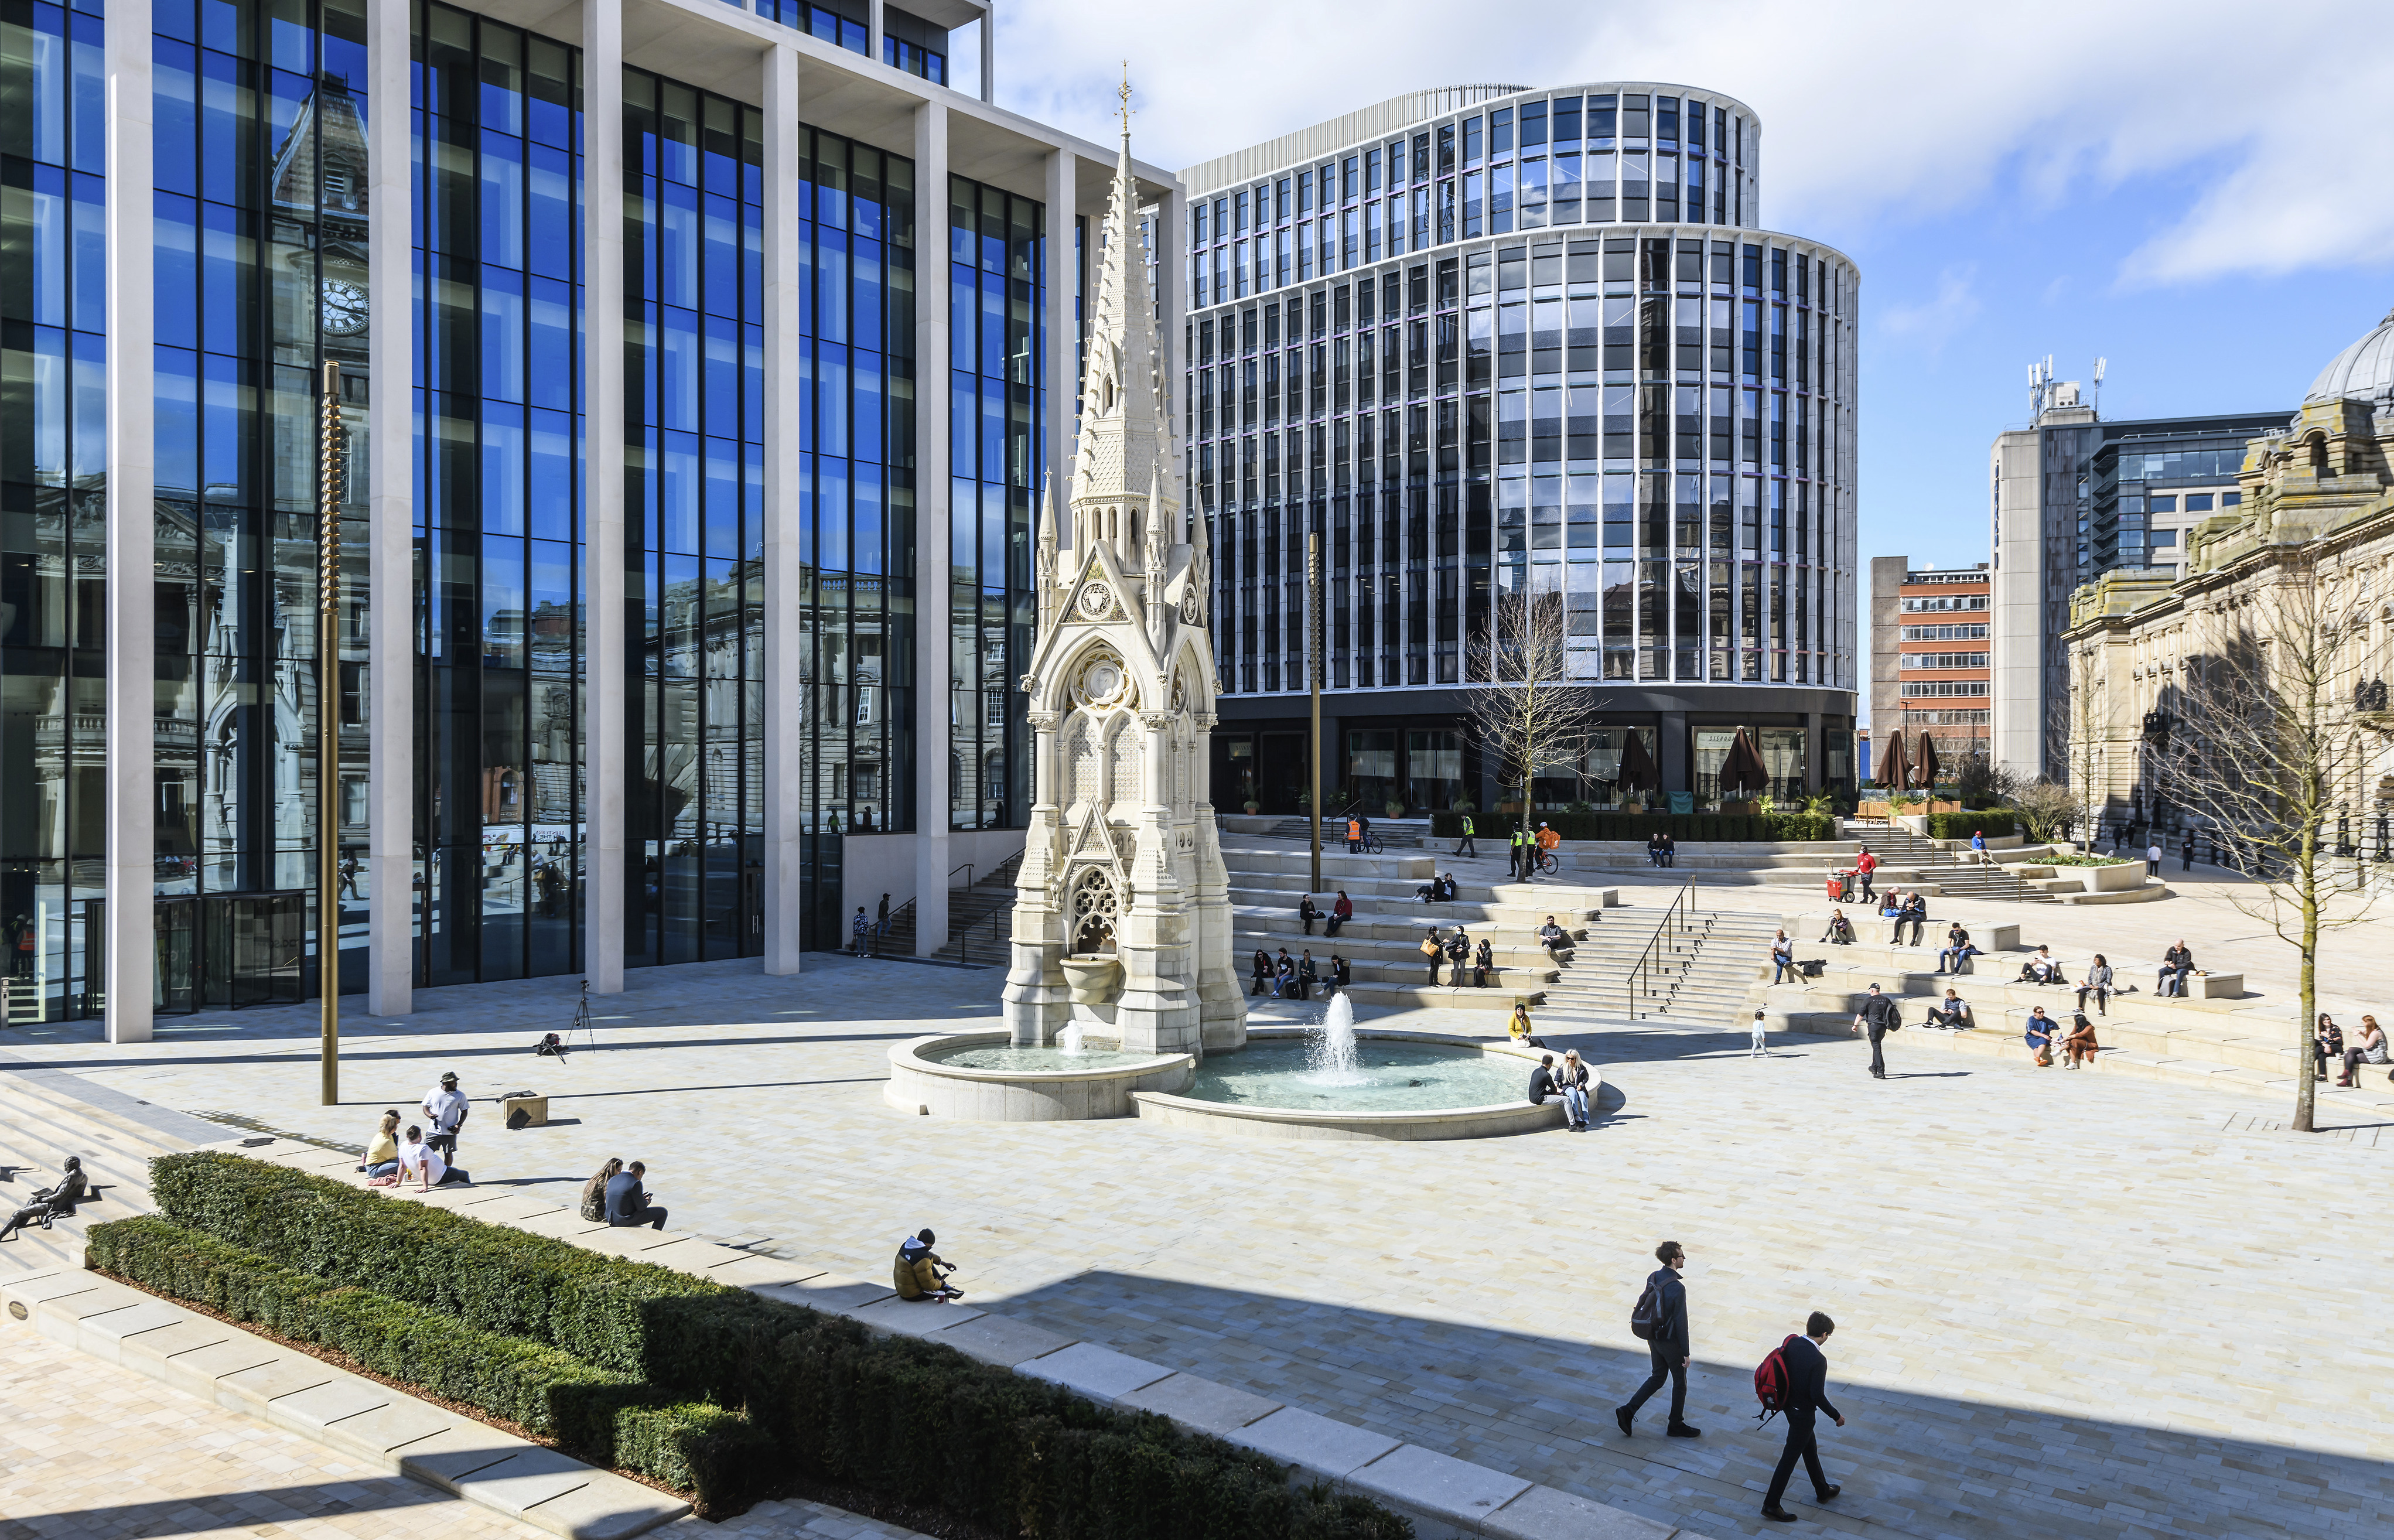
x,y
53,1203
1841,929
919,1275
1306,913
1340,912
1957,946
1554,938
1483,962
1949,1014
2042,969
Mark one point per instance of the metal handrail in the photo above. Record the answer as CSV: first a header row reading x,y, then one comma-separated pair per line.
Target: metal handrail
x,y
966,869
1679,921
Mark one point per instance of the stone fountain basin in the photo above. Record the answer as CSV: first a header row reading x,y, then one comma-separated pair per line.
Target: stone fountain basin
x,y
921,1084
1248,1120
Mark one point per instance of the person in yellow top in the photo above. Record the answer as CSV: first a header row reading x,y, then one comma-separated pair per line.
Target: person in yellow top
x,y
382,1154
916,1274
1520,1026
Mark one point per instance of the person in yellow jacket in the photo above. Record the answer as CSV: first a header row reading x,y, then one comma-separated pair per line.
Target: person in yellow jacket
x,y
917,1274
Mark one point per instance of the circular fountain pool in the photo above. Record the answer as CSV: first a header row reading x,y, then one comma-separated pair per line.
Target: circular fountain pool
x,y
982,1076
1401,1086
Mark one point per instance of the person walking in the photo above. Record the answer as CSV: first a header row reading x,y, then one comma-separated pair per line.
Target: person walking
x,y
1807,1396
881,926
1341,911
2097,982
1782,958
1864,864
2153,857
1879,1016
1571,1080
1465,847
1517,852
1458,957
1761,1049
1660,1317
444,1112
858,929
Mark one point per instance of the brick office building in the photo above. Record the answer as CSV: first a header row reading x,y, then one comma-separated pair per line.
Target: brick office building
x,y
1929,657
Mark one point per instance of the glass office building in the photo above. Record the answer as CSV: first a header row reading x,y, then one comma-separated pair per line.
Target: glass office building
x,y
1497,340
646,608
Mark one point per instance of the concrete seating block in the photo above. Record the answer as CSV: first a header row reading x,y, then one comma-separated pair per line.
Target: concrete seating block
x,y
253,1390
559,1224
1200,1404
312,1410
149,1350
608,1508
379,1431
828,1291
632,1241
28,1290
2214,986
534,1108
1097,1373
1542,1513
527,1477
458,1453
912,1317
196,1372
1414,1480
1319,1444
103,1335
692,1255
995,1340
750,1272
1997,938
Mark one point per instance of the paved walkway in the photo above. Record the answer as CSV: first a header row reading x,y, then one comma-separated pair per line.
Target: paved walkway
x,y
92,1452
2070,1306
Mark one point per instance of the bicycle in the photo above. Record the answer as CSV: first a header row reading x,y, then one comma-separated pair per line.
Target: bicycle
x,y
1371,846
1546,862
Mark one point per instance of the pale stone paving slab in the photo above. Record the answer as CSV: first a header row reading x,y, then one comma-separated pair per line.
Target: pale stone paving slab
x,y
2026,1269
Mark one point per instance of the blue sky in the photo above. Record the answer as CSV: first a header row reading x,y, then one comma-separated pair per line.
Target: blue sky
x,y
2200,191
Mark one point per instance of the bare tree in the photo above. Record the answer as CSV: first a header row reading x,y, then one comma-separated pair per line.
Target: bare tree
x,y
1525,706
2078,723
2046,808
2258,741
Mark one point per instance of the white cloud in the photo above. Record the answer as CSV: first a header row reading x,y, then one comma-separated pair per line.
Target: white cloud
x,y
1874,110
1929,322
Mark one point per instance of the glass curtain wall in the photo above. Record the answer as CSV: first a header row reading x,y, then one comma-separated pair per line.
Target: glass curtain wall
x,y
499,502
53,446
997,297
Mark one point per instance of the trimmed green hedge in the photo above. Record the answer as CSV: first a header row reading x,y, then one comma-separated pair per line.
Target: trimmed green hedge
x,y
1639,826
1994,823
735,1392
610,1418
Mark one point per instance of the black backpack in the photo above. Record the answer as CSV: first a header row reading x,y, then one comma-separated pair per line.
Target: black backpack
x,y
1647,1314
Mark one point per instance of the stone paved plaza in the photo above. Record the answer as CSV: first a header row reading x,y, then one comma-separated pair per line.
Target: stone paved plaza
x,y
2070,1304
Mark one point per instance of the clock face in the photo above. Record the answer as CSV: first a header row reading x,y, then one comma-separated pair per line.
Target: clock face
x,y
344,307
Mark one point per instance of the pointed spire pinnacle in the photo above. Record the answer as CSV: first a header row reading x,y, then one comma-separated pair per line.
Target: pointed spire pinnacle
x,y
1047,514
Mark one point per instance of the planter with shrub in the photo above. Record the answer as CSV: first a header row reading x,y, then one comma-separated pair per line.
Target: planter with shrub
x,y
712,1390
1586,826
1994,823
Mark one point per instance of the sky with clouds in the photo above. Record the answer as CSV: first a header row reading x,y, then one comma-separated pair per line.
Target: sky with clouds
x,y
2202,193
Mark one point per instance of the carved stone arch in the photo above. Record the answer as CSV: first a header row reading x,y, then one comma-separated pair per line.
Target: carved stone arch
x,y
1083,775
1123,763
1094,912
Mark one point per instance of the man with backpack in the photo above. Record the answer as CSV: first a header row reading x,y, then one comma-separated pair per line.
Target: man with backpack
x,y
1879,1015
1794,1379
1660,1317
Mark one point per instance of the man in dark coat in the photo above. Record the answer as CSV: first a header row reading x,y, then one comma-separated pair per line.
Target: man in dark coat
x,y
1879,1016
1808,1395
52,1203
1668,1347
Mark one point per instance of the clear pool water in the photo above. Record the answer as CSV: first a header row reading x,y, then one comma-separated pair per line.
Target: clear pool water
x,y
1001,1056
1390,1078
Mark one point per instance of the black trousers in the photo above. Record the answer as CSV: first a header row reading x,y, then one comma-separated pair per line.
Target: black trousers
x,y
1800,1443
1671,1366
1878,1058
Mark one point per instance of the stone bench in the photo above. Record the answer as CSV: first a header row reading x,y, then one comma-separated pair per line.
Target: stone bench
x,y
2199,986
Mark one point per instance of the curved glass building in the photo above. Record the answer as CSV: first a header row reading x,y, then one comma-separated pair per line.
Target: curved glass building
x,y
1493,340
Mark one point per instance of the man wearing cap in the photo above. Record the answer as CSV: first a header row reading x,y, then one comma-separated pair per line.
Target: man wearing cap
x,y
444,1114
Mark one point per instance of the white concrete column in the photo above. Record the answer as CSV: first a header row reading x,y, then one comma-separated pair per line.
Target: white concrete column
x,y
132,698
874,23
1063,340
602,364
989,52
932,537
391,498
785,555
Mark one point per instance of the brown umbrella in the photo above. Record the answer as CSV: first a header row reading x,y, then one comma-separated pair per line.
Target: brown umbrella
x,y
1636,765
1894,770
1743,767
1926,777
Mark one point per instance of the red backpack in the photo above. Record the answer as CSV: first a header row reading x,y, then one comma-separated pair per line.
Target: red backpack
x,y
1770,1382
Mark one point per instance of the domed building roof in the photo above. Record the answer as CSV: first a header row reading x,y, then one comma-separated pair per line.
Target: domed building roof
x,y
2362,371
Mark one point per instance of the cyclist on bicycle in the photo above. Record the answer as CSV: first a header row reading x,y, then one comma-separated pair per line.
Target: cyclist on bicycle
x,y
1547,841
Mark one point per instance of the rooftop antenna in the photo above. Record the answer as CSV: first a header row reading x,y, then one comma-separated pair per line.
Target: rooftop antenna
x,y
2040,386
2094,398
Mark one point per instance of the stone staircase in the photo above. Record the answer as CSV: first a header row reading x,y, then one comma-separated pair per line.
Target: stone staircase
x,y
1898,847
980,919
39,1127
1712,968
1333,833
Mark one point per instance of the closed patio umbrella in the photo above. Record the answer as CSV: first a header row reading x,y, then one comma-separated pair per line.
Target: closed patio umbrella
x,y
1638,765
1925,778
1743,767
1894,769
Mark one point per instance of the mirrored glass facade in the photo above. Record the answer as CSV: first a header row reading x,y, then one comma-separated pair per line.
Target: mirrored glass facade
x,y
1525,344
